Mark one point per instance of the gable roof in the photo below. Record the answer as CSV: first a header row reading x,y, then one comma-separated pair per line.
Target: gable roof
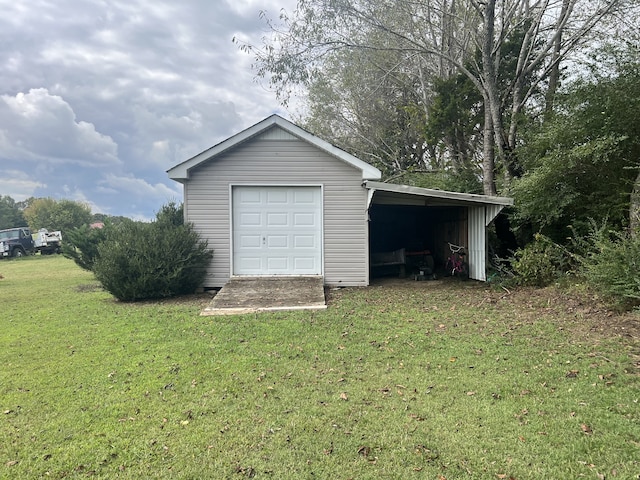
x,y
181,171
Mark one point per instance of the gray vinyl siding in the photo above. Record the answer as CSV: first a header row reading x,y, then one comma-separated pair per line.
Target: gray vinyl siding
x,y
267,160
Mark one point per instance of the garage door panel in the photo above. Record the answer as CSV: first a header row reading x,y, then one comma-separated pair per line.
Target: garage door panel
x,y
250,263
305,263
250,219
248,197
305,241
277,196
278,264
278,219
304,197
304,219
250,241
278,241
277,230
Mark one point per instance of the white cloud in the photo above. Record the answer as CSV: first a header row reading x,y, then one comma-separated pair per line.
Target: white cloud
x,y
18,185
104,97
138,188
78,195
37,125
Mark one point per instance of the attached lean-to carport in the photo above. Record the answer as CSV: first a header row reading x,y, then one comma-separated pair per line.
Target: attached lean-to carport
x,y
418,219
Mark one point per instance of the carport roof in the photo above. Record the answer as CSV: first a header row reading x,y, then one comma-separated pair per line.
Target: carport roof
x,y
405,194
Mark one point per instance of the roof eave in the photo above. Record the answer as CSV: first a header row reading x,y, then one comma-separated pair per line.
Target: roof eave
x,y
441,194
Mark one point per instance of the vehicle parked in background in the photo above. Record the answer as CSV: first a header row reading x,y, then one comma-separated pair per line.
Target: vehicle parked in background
x,y
47,242
16,242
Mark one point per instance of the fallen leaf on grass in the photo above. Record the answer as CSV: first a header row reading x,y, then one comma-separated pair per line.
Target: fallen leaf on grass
x,y
248,472
586,429
343,396
364,451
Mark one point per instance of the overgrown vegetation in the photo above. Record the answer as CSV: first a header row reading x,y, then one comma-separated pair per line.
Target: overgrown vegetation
x,y
406,380
610,263
541,263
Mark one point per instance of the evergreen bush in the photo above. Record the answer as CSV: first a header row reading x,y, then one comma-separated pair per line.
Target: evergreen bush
x,y
81,244
152,260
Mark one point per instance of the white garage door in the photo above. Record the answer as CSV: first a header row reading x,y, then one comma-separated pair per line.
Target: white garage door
x,y
277,230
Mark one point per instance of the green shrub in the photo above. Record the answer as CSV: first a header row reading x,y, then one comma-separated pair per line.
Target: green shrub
x,y
81,244
541,262
152,260
610,263
171,214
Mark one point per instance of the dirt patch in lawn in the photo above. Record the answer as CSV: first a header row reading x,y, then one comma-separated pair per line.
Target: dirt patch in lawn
x,y
580,311
584,315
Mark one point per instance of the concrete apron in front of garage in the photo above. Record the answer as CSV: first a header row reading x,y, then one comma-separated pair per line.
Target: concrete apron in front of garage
x,y
258,294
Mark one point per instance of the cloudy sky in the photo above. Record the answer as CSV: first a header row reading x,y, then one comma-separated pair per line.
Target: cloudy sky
x,y
98,98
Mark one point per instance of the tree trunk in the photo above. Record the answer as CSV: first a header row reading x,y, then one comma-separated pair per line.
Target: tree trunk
x,y
554,74
489,87
634,208
488,160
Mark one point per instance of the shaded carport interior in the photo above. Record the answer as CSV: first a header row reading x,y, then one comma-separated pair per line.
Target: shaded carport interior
x,y
419,219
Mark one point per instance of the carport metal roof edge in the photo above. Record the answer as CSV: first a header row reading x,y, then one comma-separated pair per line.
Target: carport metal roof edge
x,y
455,197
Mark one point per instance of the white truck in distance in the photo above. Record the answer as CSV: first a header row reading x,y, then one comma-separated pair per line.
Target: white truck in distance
x,y
17,242
47,242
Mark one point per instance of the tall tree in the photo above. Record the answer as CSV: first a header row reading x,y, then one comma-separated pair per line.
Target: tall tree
x,y
437,38
54,214
364,104
10,213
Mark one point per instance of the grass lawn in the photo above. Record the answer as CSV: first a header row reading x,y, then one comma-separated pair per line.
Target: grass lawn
x,y
424,380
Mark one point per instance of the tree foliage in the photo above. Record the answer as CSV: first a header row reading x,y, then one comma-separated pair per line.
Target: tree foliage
x,y
63,215
583,163
10,213
389,54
